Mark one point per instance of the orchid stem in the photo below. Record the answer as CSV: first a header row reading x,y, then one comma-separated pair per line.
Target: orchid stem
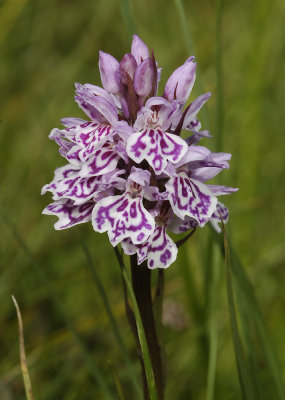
x,y
141,282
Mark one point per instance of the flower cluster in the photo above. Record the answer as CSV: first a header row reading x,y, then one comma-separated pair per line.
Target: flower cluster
x,y
129,171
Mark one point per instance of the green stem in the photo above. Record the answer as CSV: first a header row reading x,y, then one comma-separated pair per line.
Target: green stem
x,y
141,282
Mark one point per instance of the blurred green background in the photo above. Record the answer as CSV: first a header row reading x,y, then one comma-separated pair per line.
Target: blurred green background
x,y
46,46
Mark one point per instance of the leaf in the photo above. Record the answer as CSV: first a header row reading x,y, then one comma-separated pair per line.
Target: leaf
x,y
45,281
23,359
105,301
244,377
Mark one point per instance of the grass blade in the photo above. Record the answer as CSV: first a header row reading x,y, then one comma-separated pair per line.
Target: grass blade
x,y
117,382
128,16
42,276
140,329
245,381
213,325
219,76
190,45
23,359
245,291
112,320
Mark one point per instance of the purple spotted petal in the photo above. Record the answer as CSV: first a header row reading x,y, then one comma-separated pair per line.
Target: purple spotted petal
x,y
180,226
60,138
128,247
192,198
92,137
69,214
122,217
109,72
139,49
157,147
101,162
73,155
223,211
66,172
180,83
159,250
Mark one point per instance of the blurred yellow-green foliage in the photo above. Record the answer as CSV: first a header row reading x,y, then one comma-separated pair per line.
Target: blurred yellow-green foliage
x,y
46,46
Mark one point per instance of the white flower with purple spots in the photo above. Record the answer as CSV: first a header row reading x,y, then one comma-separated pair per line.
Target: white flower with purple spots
x,y
129,170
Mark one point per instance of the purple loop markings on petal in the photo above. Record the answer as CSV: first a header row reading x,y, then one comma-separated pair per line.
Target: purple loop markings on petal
x,y
157,147
192,198
123,216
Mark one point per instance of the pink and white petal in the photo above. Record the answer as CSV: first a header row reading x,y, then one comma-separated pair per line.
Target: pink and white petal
x,y
181,81
69,214
73,155
80,190
70,122
92,138
128,247
139,49
93,90
101,162
157,147
219,190
89,109
178,225
140,176
123,217
128,65
194,108
109,72
143,78
192,198
65,172
223,211
162,251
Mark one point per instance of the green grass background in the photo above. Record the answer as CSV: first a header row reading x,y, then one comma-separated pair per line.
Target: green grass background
x,y
46,46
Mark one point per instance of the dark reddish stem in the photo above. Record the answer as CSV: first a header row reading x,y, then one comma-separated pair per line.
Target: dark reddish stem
x,y
141,281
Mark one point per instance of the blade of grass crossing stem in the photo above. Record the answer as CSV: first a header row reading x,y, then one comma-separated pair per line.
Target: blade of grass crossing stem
x,y
23,359
245,380
112,320
42,276
246,292
141,333
190,45
128,16
117,382
213,323
219,76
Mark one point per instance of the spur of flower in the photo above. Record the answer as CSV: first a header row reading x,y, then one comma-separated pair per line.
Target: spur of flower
x,y
128,170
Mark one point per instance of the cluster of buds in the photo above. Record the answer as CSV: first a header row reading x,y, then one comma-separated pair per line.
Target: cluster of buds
x,y
129,171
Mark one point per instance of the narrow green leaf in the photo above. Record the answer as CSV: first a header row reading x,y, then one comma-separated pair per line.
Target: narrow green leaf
x,y
45,281
23,359
245,379
245,291
112,320
117,382
213,324
128,16
190,45
219,76
141,333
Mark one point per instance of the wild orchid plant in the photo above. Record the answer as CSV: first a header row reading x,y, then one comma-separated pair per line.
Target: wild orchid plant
x,y
131,173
